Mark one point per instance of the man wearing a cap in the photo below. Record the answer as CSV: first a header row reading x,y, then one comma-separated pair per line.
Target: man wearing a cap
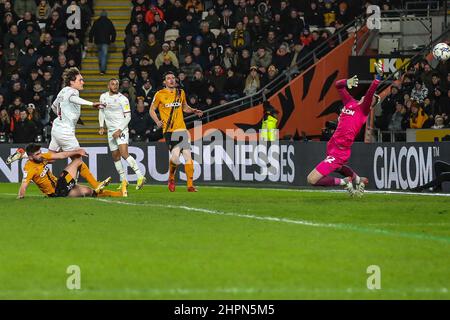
x,y
166,54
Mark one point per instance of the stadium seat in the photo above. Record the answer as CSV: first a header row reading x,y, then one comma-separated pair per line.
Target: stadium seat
x,y
204,14
216,32
331,30
171,34
230,30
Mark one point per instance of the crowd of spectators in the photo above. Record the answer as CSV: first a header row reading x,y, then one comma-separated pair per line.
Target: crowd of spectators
x,y
222,50
36,46
421,99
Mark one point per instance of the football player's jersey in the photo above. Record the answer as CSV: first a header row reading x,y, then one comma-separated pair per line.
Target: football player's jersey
x,y
170,106
116,106
40,174
68,112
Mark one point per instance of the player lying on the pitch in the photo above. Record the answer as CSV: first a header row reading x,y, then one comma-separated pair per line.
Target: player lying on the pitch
x,y
353,116
36,170
442,171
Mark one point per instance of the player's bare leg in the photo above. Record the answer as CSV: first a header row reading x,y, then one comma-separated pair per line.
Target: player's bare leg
x,y
123,150
315,178
174,161
189,168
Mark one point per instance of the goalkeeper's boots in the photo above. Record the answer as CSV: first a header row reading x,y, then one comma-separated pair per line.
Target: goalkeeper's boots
x,y
361,186
140,182
171,185
19,154
123,188
349,186
102,185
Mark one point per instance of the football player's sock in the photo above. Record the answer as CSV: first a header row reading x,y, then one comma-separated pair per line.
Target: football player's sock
x,y
133,164
85,173
109,193
346,171
328,181
172,170
189,168
120,170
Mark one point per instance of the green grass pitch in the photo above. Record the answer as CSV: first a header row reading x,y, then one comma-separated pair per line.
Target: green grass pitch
x,y
224,243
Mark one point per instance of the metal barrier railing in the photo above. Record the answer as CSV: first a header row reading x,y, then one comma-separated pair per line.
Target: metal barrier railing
x,y
282,79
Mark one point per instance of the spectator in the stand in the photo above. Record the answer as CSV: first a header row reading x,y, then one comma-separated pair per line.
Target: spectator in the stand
x,y
229,59
228,21
35,117
244,62
292,26
329,13
272,73
233,86
24,129
126,86
151,13
427,75
441,102
152,47
199,58
389,106
420,92
435,82
5,123
102,33
28,33
43,11
398,119
417,116
141,125
167,66
166,54
199,85
189,67
252,83
213,19
147,91
240,38
129,37
218,79
193,101
12,35
56,27
188,27
281,59
261,59
196,4
22,6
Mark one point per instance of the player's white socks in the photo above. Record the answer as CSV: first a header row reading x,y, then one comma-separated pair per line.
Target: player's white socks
x,y
134,166
120,170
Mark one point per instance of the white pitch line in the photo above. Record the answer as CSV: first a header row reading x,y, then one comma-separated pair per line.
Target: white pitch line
x,y
237,290
362,229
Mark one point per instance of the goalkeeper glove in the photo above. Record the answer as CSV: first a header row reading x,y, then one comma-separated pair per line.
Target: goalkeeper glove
x,y
352,82
379,69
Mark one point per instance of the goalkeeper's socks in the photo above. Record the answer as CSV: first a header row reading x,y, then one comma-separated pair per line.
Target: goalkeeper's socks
x,y
329,181
189,168
85,173
134,166
172,170
120,170
346,171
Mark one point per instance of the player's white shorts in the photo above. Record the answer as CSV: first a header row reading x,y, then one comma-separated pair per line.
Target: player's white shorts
x,y
63,141
114,143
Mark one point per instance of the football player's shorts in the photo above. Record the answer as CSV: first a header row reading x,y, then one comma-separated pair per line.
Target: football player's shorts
x,y
64,184
336,158
178,139
122,139
63,141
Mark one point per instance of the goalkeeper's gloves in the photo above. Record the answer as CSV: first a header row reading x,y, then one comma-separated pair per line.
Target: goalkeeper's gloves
x,y
379,69
352,82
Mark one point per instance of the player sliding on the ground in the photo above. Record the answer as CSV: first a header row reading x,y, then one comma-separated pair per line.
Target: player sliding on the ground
x,y
117,115
353,116
36,170
67,107
171,103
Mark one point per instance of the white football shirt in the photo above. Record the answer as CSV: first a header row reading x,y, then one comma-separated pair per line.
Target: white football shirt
x,y
68,113
115,110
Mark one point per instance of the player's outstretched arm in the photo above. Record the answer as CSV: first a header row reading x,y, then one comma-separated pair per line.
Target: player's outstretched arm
x,y
367,103
23,189
81,101
341,86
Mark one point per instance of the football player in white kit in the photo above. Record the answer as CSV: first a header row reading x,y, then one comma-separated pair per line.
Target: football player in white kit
x,y
67,107
117,115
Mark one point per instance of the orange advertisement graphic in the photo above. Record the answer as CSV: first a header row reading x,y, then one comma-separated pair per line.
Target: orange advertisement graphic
x,y
304,105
